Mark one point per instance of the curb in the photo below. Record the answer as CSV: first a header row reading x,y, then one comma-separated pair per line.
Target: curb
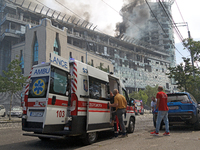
x,y
2,122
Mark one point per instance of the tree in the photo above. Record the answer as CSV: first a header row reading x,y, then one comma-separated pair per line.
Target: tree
x,y
141,95
13,80
150,91
183,73
185,81
193,46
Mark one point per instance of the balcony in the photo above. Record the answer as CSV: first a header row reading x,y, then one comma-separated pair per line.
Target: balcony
x,y
16,18
11,33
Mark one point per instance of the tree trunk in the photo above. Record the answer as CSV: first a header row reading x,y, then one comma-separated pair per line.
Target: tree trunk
x,y
10,106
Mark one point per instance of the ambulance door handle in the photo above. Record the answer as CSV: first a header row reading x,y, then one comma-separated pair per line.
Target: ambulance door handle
x,y
108,105
53,100
84,96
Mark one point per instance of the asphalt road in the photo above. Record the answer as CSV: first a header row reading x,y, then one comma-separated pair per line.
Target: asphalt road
x,y
181,138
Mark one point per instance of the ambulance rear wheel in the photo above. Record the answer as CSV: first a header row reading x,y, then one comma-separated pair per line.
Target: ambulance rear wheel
x,y
131,126
90,138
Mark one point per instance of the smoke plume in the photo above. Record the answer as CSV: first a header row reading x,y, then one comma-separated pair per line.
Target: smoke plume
x,y
135,14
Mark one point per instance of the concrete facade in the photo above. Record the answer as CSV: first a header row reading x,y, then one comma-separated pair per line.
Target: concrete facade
x,y
46,34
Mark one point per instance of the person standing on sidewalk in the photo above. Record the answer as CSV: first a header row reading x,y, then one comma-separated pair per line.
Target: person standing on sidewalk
x,y
162,111
153,108
120,103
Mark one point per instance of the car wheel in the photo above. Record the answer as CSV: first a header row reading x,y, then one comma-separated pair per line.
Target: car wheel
x,y
89,138
131,126
142,112
4,114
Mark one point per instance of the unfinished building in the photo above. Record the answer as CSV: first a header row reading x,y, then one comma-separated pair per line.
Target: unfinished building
x,y
137,64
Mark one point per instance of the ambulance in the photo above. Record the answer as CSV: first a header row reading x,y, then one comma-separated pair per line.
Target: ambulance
x,y
70,98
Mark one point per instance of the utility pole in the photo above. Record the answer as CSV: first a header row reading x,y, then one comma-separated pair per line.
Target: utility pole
x,y
191,52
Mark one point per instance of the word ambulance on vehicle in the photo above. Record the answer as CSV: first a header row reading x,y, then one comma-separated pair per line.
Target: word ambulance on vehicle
x,y
70,98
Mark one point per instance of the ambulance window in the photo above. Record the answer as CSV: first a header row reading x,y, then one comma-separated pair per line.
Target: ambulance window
x,y
125,94
58,81
98,89
38,87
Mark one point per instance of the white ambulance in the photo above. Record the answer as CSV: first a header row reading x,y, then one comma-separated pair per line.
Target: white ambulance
x,y
70,99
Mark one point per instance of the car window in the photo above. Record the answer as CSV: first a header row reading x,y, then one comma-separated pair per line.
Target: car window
x,y
178,98
16,108
193,99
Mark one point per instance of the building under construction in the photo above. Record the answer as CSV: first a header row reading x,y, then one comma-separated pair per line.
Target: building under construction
x,y
32,31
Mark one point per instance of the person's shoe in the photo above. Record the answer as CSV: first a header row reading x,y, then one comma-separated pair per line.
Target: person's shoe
x,y
123,135
166,134
154,133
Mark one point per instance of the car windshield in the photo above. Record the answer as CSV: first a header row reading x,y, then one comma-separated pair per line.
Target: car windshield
x,y
138,103
16,108
178,98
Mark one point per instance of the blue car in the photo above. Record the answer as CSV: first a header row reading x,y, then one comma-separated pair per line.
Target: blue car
x,y
183,109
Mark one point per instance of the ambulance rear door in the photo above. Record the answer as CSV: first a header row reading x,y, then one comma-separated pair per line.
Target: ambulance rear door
x,y
38,96
98,112
57,100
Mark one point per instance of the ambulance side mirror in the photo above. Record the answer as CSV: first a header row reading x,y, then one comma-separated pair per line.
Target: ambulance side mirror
x,y
53,100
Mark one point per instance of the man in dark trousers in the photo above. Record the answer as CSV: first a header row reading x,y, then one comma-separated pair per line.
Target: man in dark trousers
x,y
120,103
162,111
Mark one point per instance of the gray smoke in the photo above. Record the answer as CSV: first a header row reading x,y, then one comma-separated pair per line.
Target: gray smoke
x,y
135,15
72,8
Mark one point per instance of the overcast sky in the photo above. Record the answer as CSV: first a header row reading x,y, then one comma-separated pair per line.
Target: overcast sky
x,y
105,14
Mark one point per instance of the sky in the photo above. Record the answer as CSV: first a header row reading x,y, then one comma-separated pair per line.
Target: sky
x,y
105,14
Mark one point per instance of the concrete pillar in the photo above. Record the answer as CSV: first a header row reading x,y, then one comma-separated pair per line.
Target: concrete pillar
x,y
21,16
9,26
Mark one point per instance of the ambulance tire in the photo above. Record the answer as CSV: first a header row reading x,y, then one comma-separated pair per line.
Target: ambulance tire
x,y
131,126
89,138
142,112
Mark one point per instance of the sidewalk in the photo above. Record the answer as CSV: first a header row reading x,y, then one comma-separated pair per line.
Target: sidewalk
x,y
13,120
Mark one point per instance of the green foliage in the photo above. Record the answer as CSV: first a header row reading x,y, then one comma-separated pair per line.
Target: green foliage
x,y
183,73
102,68
150,91
193,46
141,95
13,80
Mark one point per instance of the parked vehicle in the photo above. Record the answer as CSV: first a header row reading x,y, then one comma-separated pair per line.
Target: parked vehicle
x,y
183,108
2,111
16,111
71,99
139,109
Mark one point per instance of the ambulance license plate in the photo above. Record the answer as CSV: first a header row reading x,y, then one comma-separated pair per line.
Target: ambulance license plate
x,y
36,114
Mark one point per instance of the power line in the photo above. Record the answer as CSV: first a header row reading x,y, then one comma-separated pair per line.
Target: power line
x,y
160,24
171,19
153,15
173,23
